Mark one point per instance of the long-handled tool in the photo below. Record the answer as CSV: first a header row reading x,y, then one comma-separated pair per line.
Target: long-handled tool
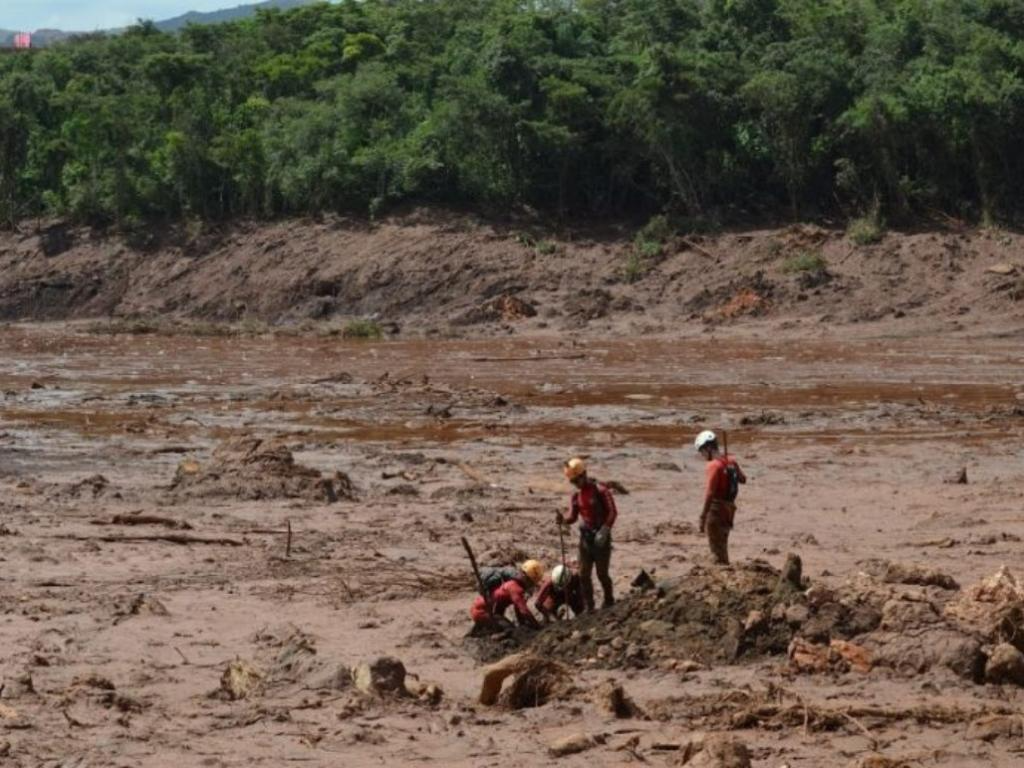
x,y
479,581
565,567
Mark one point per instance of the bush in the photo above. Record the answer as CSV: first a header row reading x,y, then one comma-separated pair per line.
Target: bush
x,y
362,329
865,230
636,267
656,230
805,261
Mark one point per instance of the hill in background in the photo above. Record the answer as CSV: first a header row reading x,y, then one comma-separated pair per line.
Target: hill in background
x,y
44,37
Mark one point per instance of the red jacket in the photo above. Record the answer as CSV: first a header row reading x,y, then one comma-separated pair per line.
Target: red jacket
x,y
717,481
511,593
593,505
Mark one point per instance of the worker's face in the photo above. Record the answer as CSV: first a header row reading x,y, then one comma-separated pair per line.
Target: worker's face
x,y
579,480
706,453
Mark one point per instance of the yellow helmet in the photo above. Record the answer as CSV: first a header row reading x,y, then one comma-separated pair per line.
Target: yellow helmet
x,y
534,571
574,468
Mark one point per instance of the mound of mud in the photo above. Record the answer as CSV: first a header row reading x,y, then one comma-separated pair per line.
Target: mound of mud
x,y
251,468
711,615
726,615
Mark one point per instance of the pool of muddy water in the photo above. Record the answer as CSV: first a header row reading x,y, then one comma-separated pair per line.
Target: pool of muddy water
x,y
583,392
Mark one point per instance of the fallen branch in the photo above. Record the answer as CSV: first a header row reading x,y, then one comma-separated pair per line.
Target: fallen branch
x,y
528,358
173,538
471,473
699,249
167,522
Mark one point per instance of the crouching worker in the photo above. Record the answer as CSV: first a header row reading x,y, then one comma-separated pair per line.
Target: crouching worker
x,y
562,588
723,479
507,588
592,504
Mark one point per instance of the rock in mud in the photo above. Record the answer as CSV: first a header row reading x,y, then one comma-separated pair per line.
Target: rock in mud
x,y
993,607
903,615
572,745
792,573
839,655
338,679
959,477
1005,665
916,652
613,699
992,727
900,573
240,680
384,676
535,681
715,751
505,308
879,761
92,486
252,468
428,693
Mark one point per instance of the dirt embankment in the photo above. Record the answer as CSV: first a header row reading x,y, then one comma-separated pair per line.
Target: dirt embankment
x,y
445,272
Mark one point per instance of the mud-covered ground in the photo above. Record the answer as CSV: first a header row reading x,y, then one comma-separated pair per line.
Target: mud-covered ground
x,y
147,483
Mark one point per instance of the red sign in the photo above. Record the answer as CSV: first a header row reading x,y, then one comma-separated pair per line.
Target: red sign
x,y
23,40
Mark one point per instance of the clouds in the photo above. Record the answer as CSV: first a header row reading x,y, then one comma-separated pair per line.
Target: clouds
x,y
88,15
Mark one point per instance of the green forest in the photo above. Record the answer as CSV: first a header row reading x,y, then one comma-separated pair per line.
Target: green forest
x,y
706,110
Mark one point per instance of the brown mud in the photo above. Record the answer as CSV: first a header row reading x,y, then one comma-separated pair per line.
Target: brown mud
x,y
154,608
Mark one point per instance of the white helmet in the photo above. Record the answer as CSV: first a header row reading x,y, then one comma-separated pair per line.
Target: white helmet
x,y
705,437
560,576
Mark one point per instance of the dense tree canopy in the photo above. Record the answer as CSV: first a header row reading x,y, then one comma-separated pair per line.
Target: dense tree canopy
x,y
586,108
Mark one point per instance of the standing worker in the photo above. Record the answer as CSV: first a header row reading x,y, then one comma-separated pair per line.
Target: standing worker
x,y
724,477
592,504
509,592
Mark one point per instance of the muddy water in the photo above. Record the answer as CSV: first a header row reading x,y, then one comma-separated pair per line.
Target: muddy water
x,y
584,392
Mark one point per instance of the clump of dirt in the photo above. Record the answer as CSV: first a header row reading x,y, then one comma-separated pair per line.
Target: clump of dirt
x,y
537,685
251,468
505,308
899,573
711,615
589,304
535,681
93,487
994,608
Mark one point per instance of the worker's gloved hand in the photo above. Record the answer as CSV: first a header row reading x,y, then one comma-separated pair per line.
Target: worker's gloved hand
x,y
603,537
559,518
701,525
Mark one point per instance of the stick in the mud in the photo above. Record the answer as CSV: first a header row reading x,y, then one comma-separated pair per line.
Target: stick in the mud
x,y
725,444
565,566
173,538
288,542
139,519
479,581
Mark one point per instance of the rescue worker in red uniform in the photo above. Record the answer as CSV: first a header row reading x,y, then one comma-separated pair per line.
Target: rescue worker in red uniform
x,y
562,587
510,593
593,505
722,479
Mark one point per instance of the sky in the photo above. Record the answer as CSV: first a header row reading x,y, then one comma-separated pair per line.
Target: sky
x,y
89,15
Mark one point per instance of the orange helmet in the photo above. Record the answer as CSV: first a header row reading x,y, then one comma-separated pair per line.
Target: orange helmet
x,y
574,468
534,571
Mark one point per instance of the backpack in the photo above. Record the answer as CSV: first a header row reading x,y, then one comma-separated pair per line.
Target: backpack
x,y
732,479
493,576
